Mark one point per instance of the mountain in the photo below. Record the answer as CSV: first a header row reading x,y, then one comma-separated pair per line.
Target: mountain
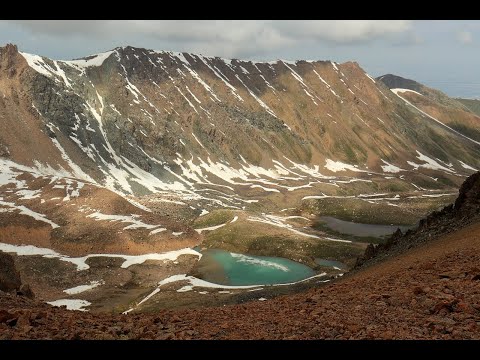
x,y
141,155
139,121
398,82
454,114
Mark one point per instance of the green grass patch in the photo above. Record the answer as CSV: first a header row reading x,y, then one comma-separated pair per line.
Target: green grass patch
x,y
217,217
362,212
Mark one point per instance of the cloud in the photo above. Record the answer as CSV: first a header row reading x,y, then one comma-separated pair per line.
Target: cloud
x,y
62,28
222,37
465,37
343,31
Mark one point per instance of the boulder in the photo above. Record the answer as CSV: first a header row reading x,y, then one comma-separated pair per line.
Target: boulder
x,y
9,276
10,280
26,290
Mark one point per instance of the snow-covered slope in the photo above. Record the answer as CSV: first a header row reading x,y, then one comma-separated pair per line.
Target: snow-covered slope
x,y
140,121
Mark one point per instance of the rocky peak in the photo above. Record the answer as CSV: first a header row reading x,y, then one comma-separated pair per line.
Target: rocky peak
x,y
8,57
395,81
9,49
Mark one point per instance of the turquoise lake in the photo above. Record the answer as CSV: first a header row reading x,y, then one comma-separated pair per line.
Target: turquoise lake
x,y
228,268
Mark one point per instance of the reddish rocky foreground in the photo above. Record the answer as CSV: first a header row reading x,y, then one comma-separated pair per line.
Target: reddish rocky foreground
x,y
429,292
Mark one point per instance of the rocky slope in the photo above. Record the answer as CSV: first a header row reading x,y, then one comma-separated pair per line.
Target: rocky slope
x,y
75,217
429,292
453,114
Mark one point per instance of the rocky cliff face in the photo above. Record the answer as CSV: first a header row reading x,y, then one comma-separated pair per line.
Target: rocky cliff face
x,y
467,204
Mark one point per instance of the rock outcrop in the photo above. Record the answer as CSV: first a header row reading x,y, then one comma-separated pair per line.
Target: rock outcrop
x,y
468,201
10,280
9,276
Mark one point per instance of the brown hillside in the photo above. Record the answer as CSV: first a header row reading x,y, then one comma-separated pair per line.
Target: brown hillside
x,y
430,292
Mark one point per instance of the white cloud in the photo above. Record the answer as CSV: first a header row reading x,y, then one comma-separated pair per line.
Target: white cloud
x,y
465,37
227,38
343,31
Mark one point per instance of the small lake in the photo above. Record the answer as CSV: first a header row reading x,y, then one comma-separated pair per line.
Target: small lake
x,y
359,229
223,267
331,263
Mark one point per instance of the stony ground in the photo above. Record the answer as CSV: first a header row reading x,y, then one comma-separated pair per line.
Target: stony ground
x,y
430,292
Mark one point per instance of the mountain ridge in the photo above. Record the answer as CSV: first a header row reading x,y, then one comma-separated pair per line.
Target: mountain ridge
x,y
297,141
202,133
145,155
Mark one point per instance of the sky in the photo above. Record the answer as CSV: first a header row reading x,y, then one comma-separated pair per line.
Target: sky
x,y
443,54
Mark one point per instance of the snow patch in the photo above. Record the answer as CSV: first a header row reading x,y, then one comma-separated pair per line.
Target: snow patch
x,y
71,304
82,288
371,78
389,168
135,224
468,167
210,228
340,166
26,211
93,60
400,90
279,221
429,164
80,262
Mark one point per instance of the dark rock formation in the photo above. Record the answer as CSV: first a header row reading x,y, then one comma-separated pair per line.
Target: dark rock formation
x,y
395,82
9,276
10,280
468,201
